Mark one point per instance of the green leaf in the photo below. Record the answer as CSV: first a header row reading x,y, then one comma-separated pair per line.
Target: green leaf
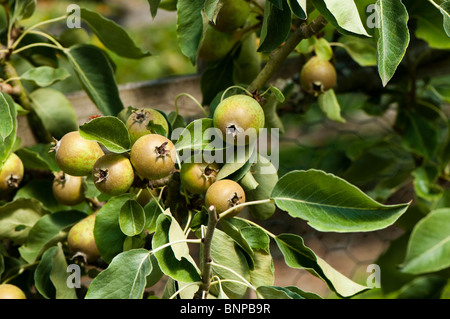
x,y
190,27
198,136
225,252
216,77
393,36
429,245
154,4
46,231
55,110
360,50
50,276
18,217
44,76
23,9
212,8
274,292
108,131
323,49
236,158
297,255
125,277
108,235
445,10
38,156
432,24
276,25
8,124
179,267
329,104
343,15
7,117
298,7
420,135
97,77
266,176
330,203
132,218
278,94
112,35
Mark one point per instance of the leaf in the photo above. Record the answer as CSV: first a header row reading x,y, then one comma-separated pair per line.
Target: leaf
x,y
46,231
23,9
97,77
393,36
360,50
44,76
112,35
276,26
132,218
51,275
429,245
330,203
420,135
179,268
343,15
266,176
445,10
190,27
329,104
431,24
18,217
225,252
108,235
216,77
108,131
197,136
297,255
235,159
212,8
38,156
8,118
298,7
154,4
55,110
125,277
274,292
278,94
323,49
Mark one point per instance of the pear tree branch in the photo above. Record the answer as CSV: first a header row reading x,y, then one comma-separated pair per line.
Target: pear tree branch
x,y
277,57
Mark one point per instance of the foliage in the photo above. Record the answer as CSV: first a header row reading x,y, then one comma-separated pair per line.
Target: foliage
x,y
388,55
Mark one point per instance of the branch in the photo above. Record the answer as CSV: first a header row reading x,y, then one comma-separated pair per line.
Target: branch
x,y
278,56
203,290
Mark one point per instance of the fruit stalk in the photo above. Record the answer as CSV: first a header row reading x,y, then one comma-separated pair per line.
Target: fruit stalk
x,y
278,56
203,290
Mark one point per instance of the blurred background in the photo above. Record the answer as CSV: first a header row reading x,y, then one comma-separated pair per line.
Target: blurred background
x,y
157,36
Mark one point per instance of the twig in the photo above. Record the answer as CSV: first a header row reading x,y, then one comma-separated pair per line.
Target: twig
x,y
278,56
203,290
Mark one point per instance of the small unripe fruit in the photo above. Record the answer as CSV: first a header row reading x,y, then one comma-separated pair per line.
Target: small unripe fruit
x,y
153,156
198,177
113,174
67,189
146,121
223,195
215,45
317,76
232,15
11,173
8,291
75,155
239,118
81,240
